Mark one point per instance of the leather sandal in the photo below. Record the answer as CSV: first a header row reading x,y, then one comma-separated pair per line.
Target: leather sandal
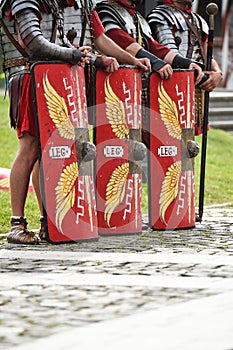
x,y
42,230
19,233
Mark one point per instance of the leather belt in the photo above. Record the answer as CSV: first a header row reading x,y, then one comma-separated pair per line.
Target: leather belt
x,y
17,62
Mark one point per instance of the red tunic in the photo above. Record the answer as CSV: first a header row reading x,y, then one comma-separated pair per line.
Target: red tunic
x,y
123,39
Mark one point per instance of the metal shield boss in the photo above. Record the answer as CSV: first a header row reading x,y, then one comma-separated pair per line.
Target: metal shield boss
x,y
65,152
119,151
171,151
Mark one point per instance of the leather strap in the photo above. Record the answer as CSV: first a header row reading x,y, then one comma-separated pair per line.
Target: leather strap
x,y
16,62
193,30
12,39
84,23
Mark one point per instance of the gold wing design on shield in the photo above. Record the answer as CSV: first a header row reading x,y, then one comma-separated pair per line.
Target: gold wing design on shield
x,y
115,190
169,113
115,112
65,192
58,111
169,190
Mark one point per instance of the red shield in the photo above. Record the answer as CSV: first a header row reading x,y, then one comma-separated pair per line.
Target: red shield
x,y
117,134
171,131
62,125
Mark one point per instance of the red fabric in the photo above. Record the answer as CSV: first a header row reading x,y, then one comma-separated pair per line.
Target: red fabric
x,y
71,3
126,5
188,8
121,38
157,49
9,16
26,121
98,28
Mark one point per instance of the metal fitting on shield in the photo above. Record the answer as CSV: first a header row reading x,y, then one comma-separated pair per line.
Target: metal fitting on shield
x,y
193,148
88,151
138,151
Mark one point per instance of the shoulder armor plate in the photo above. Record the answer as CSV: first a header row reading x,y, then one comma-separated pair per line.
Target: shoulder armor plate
x,y
116,15
78,4
169,14
203,26
2,4
18,5
144,26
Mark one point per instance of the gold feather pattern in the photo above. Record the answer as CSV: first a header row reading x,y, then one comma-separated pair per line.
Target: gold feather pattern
x,y
115,112
169,113
58,111
65,193
169,190
115,190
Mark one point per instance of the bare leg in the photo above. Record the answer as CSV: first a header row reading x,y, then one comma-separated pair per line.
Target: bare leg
x,y
20,173
19,182
36,185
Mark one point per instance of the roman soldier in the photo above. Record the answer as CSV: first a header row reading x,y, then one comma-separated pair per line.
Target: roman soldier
x,y
32,31
177,27
130,30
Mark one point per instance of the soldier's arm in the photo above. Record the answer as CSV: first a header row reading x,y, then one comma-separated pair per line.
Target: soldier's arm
x,y
35,44
172,58
161,66
110,48
126,42
215,75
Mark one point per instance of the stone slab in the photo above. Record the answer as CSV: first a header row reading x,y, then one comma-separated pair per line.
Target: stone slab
x,y
166,256
204,324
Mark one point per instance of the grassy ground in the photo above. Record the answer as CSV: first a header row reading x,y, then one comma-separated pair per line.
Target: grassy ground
x,y
219,170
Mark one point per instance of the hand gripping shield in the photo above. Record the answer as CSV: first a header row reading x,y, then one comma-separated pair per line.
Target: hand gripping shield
x,y
171,199
65,152
119,151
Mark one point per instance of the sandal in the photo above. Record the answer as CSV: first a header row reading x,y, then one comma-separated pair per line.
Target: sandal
x,y
19,233
42,230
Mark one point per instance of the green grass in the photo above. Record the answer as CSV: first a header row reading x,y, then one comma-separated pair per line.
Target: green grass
x,y
219,170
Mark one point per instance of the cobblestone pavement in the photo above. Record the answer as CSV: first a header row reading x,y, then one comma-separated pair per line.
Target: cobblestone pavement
x,y
51,289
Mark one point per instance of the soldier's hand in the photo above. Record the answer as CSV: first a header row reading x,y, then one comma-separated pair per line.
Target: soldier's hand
x,y
109,64
165,72
213,80
85,49
198,72
76,56
86,54
143,63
